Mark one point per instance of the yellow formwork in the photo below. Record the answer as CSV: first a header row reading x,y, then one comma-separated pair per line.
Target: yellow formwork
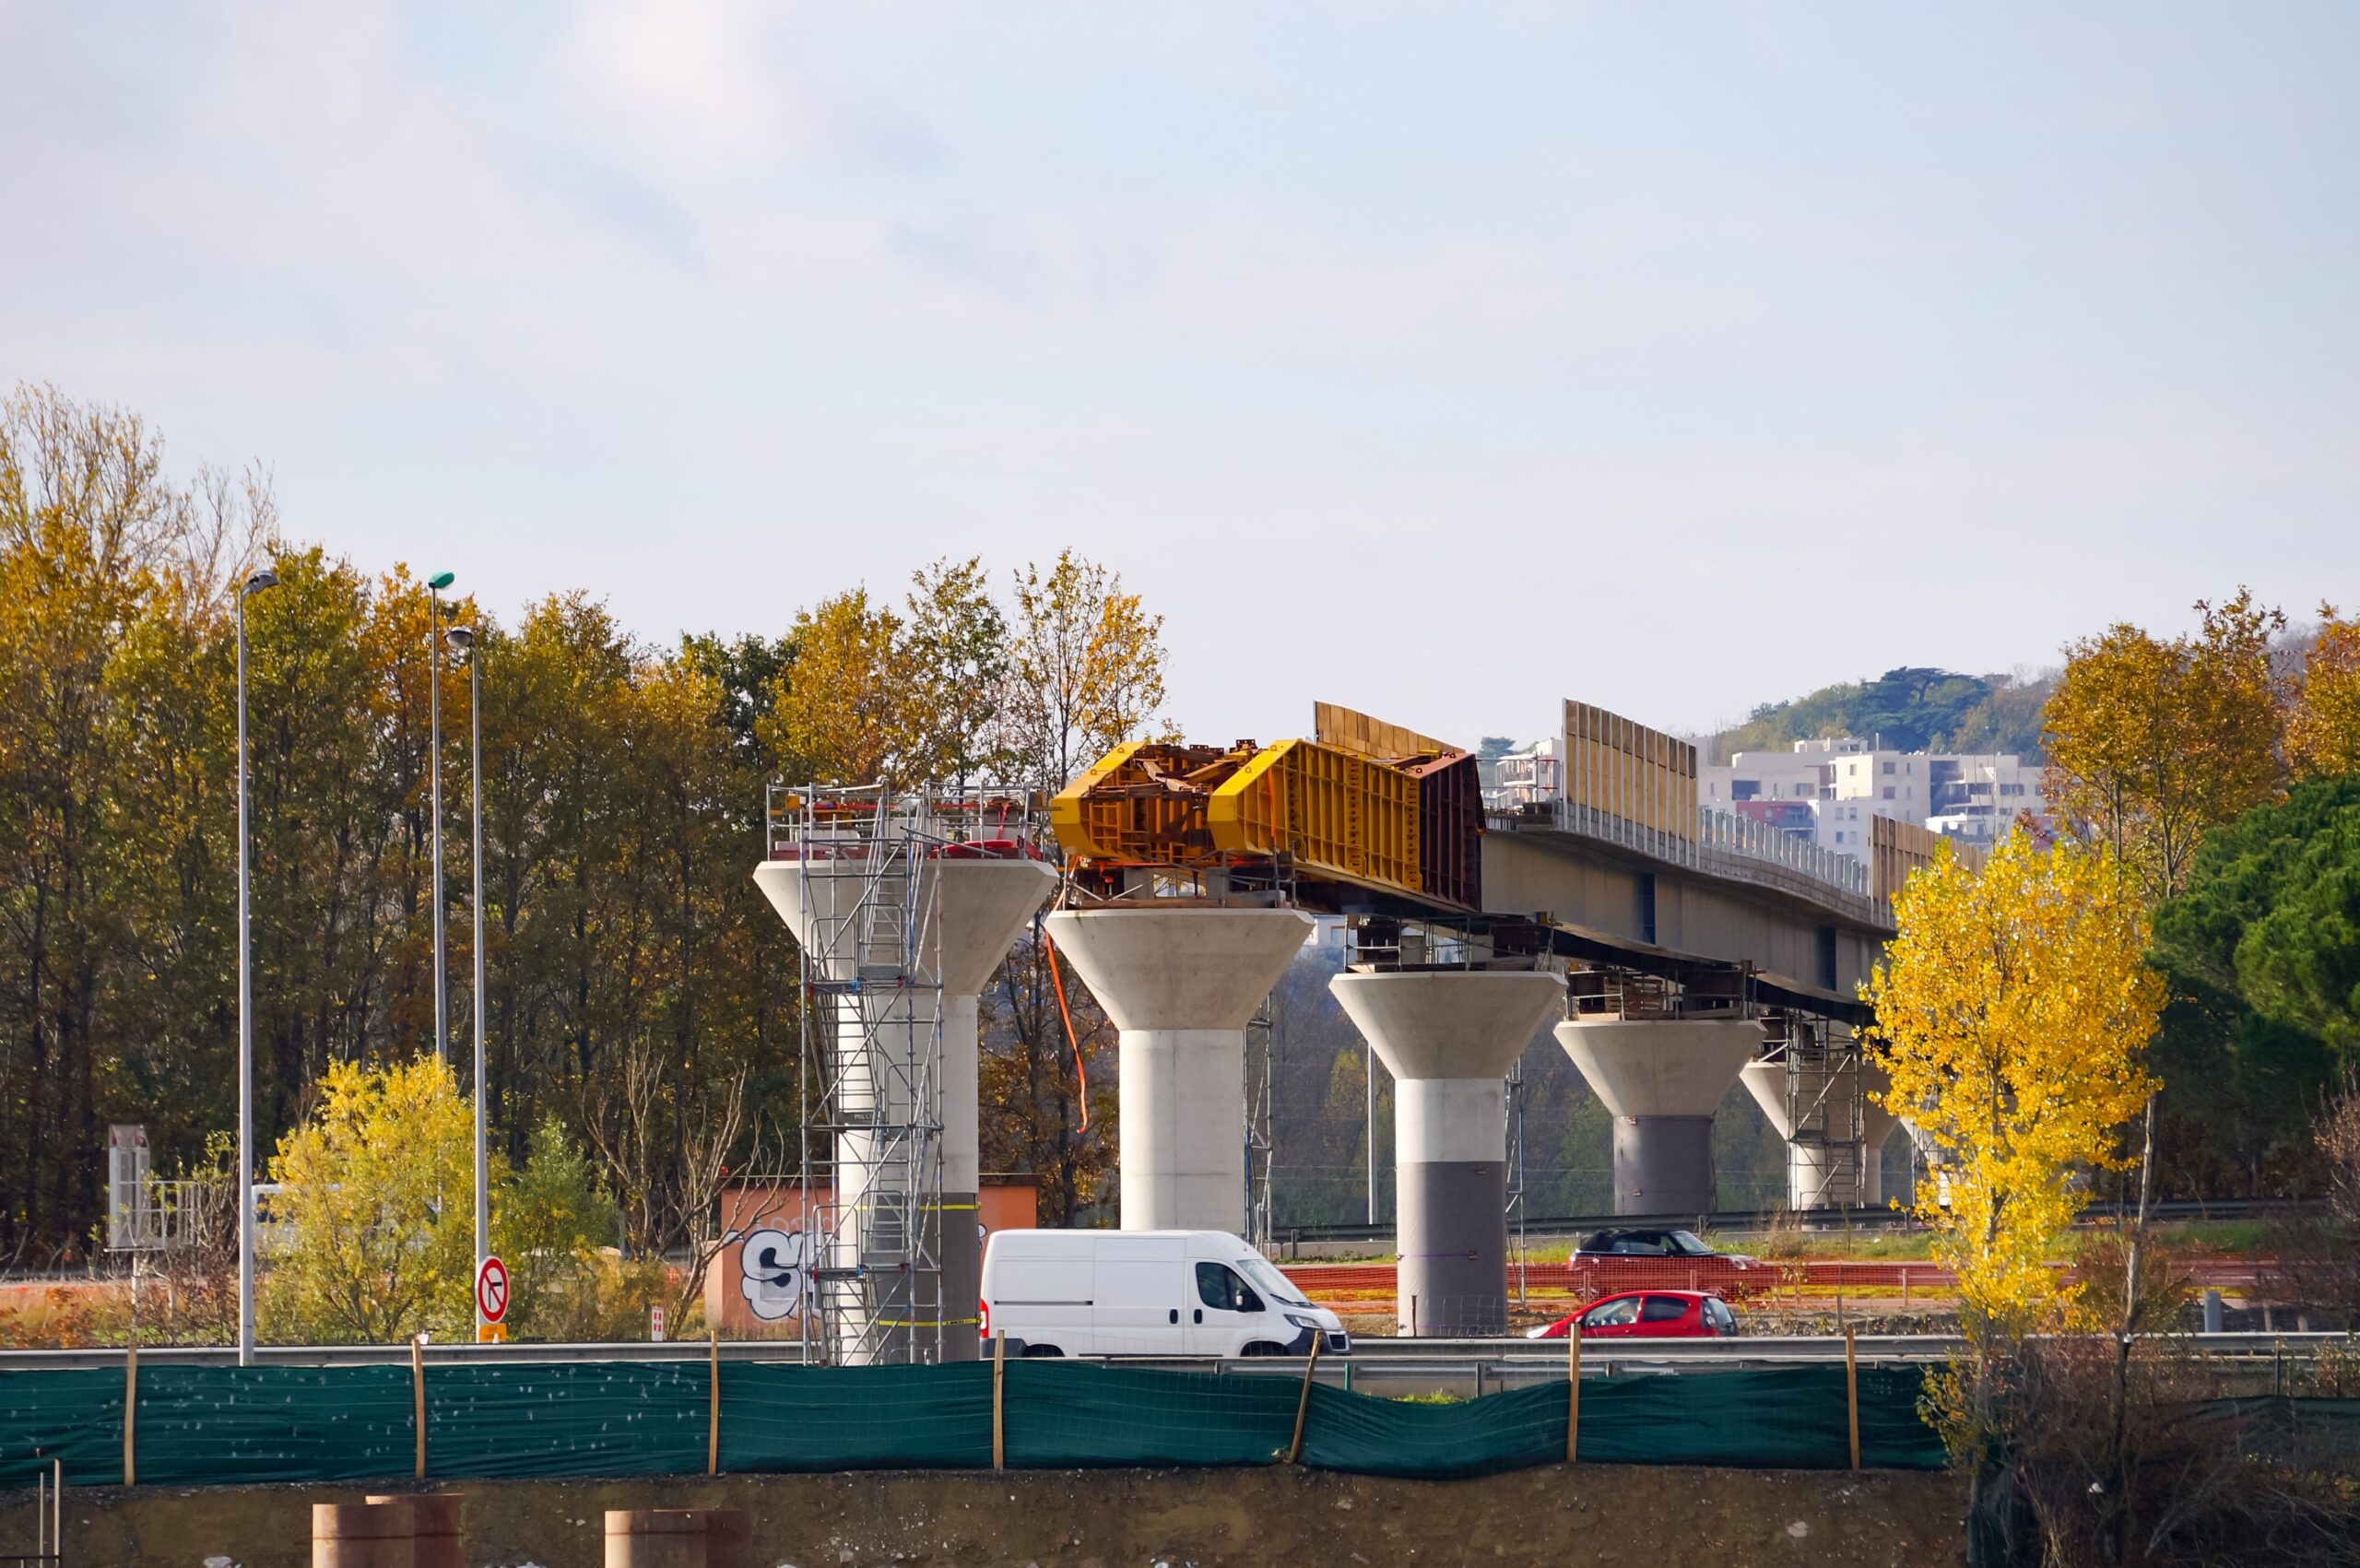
x,y
1143,803
1332,810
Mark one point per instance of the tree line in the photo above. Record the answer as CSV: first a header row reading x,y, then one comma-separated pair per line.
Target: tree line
x,y
637,990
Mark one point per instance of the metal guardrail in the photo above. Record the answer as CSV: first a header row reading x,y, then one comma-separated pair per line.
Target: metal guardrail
x,y
776,1350
1742,1221
1735,848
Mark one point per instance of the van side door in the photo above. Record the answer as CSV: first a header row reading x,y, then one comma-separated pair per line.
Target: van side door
x,y
1224,1310
1139,1292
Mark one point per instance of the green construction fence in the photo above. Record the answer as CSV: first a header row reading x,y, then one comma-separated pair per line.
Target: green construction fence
x,y
198,1425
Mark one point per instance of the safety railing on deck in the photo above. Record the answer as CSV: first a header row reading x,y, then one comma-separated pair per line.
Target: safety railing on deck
x,y
1724,845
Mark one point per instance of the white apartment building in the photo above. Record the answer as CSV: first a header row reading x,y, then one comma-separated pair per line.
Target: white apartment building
x,y
1851,782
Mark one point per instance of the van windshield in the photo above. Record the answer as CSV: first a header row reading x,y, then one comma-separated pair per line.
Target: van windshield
x,y
1272,1283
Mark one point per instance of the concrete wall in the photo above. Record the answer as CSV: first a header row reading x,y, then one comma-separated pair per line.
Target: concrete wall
x,y
1597,891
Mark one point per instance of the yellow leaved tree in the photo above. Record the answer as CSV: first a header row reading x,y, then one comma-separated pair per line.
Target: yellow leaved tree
x,y
377,1196
2323,729
2152,742
2013,1009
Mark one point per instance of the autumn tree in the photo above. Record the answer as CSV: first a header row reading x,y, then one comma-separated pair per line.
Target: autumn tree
x,y
2323,728
2013,1009
2152,742
112,626
1085,670
956,660
842,714
373,1192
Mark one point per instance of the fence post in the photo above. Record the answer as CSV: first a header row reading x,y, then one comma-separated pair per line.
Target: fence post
x,y
1573,1390
1905,1285
999,1399
130,1412
1852,1394
1303,1403
418,1397
712,1413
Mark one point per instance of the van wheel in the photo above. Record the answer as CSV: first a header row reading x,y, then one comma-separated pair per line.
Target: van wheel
x,y
1263,1347
1037,1350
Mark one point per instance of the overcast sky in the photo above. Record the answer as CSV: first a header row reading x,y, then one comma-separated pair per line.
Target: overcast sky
x,y
1442,361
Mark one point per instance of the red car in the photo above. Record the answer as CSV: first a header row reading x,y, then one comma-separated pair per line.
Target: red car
x,y
1647,1315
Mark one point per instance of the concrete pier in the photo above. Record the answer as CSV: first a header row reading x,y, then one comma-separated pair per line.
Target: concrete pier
x,y
979,908
1815,1175
1180,980
1661,1079
1448,1037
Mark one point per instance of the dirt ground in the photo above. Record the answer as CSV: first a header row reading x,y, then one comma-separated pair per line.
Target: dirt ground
x,y
1099,1519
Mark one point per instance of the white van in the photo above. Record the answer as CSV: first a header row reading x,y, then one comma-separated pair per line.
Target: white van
x,y
1145,1293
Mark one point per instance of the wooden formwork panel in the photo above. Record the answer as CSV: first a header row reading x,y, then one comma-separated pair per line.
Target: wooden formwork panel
x,y
1342,728
1622,768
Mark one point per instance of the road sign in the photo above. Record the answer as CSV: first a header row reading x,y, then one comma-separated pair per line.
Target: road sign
x,y
491,1289
656,1324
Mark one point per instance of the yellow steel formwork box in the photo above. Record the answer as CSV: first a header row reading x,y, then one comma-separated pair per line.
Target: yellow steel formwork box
x,y
1332,810
1143,803
1336,813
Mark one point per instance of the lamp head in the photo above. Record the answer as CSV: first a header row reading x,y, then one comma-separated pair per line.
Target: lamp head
x,y
461,637
265,578
440,580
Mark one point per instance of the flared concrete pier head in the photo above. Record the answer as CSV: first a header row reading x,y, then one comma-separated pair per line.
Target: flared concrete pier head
x,y
1181,980
1661,1079
1448,1037
979,908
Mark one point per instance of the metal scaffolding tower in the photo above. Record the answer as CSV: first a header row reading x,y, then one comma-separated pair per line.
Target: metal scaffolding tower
x,y
871,1098
1265,1047
1827,1109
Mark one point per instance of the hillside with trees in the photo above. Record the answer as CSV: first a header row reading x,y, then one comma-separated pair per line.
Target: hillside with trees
x,y
1909,709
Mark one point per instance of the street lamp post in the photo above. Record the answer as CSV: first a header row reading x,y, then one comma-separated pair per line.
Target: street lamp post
x,y
463,639
253,586
434,587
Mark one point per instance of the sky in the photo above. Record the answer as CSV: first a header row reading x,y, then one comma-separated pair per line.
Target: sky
x,y
1442,361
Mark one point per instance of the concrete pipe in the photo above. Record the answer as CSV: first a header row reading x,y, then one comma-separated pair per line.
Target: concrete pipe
x,y
1181,981
979,908
1661,1079
656,1538
436,1534
1448,1037
362,1535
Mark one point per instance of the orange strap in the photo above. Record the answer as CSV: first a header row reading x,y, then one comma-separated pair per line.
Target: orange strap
x,y
1081,1067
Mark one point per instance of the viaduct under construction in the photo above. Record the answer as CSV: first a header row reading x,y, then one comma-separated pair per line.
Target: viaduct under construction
x,y
1681,951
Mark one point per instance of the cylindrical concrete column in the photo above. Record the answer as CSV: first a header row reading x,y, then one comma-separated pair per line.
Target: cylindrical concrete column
x,y
1661,1079
1879,1123
654,1538
1814,1179
1181,980
436,1538
362,1535
979,907
819,906
1448,1037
